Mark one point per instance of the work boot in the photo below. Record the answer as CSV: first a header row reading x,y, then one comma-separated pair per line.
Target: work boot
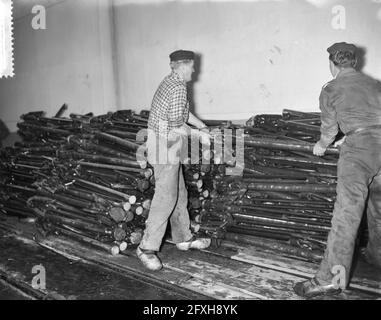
x,y
149,259
312,288
194,243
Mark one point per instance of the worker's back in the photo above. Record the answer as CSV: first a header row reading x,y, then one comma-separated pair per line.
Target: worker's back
x,y
356,98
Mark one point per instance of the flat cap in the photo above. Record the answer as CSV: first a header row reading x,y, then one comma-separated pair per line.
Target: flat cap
x,y
181,55
342,46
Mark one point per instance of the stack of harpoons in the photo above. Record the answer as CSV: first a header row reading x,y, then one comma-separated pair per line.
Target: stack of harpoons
x,y
80,176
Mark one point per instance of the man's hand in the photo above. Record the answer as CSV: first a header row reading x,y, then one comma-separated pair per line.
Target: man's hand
x,y
319,150
184,131
205,137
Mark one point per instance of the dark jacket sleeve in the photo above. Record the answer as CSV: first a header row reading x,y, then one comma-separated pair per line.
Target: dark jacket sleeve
x,y
329,126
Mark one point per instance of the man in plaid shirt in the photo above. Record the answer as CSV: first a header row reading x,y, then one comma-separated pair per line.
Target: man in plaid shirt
x,y
167,131
170,106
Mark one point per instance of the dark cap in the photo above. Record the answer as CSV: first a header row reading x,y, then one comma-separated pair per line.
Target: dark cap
x,y
343,47
181,55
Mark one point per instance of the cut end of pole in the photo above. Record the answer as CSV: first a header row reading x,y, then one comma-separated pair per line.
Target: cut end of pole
x,y
126,206
123,246
114,250
132,200
139,210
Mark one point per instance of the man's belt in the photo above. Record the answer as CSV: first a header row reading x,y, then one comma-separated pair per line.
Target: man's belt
x,y
376,126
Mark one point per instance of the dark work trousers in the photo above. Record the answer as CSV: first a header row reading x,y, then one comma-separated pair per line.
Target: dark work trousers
x,y
359,175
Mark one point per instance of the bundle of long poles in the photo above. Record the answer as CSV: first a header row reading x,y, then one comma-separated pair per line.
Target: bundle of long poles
x,y
80,174
285,193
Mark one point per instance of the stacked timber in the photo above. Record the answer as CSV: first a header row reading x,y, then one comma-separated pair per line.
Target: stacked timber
x,y
285,193
80,176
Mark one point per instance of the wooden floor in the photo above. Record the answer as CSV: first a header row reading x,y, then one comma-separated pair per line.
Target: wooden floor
x,y
230,272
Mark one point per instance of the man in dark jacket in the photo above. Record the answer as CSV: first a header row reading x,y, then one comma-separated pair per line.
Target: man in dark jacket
x,y
351,101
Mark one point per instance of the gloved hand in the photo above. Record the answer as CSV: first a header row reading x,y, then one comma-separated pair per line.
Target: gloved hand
x,y
319,150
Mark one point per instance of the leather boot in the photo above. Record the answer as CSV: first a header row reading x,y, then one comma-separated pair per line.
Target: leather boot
x,y
149,259
312,288
194,243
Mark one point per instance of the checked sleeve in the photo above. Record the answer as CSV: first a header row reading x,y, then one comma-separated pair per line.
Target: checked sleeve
x,y
177,106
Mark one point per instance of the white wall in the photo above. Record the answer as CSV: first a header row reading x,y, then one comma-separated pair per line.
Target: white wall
x,y
257,56
70,61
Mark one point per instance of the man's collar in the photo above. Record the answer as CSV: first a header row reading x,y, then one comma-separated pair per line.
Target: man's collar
x,y
176,76
345,71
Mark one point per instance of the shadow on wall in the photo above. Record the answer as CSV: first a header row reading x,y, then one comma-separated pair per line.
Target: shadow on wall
x,y
361,59
7,138
195,77
4,132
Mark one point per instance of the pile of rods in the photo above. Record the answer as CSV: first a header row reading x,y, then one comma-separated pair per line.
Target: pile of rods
x,y
80,177
285,193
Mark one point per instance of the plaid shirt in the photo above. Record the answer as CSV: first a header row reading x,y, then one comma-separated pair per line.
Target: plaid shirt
x,y
170,106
